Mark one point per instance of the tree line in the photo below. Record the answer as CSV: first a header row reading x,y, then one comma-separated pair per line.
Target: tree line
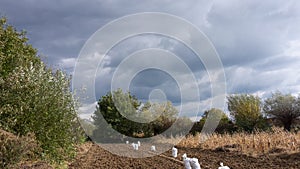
x,y
246,113
249,113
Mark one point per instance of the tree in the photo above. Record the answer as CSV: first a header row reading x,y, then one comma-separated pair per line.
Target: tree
x,y
107,110
225,124
34,98
118,109
166,115
246,110
14,50
283,107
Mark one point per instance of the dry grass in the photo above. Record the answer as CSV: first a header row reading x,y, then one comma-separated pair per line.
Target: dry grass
x,y
13,148
168,140
277,141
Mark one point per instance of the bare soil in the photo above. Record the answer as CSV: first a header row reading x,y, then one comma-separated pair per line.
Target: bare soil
x,y
93,156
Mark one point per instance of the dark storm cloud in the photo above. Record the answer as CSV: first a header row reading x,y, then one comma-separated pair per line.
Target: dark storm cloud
x,y
151,79
60,28
245,32
252,39
258,42
57,28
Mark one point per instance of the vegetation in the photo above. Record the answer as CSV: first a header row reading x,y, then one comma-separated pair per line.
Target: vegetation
x,y
35,99
262,142
107,112
163,115
246,110
225,124
13,148
247,114
283,107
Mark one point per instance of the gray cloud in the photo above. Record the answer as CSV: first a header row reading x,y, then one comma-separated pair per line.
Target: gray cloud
x,y
258,43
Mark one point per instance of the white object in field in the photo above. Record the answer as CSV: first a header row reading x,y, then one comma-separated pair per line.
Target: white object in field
x,y
127,142
195,163
153,148
174,152
136,147
184,156
223,167
187,164
139,143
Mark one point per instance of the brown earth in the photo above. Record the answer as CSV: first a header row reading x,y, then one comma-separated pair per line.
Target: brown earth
x,y
93,156
33,165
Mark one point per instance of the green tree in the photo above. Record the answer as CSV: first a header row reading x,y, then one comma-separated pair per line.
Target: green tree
x,y
152,118
246,110
283,107
109,112
14,50
34,98
166,115
225,124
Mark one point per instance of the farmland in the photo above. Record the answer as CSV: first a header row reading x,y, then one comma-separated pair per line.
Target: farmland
x,y
283,155
277,149
237,151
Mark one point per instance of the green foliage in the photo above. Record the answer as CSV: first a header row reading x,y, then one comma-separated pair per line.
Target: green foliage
x,y
107,111
246,109
34,98
225,124
284,108
14,50
166,115
155,118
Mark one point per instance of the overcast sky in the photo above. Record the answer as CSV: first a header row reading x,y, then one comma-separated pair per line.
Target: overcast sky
x,y
258,41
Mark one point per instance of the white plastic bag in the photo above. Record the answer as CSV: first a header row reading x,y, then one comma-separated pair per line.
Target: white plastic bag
x,y
153,148
223,167
195,163
184,156
174,152
139,143
187,164
136,147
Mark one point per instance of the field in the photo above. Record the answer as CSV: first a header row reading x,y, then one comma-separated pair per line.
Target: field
x,y
277,149
262,150
96,157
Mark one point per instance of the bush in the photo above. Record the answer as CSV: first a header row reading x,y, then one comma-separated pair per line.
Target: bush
x,y
34,98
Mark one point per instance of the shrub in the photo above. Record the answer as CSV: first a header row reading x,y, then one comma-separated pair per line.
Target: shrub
x,y
34,98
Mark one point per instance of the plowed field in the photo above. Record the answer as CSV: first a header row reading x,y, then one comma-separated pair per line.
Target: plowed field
x,y
93,156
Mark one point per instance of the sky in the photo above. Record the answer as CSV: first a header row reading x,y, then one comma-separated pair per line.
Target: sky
x,y
258,43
